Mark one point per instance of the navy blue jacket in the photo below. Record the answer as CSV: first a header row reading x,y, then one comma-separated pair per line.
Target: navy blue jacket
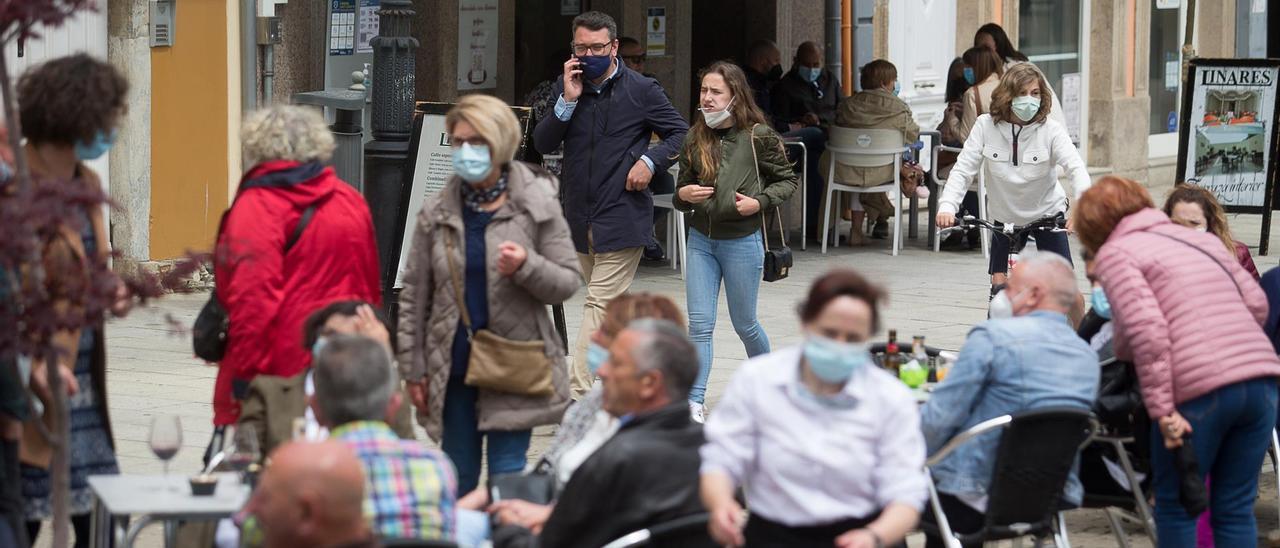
x,y
608,133
1271,285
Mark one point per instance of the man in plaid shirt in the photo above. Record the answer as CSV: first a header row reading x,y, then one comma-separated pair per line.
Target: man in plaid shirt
x,y
410,489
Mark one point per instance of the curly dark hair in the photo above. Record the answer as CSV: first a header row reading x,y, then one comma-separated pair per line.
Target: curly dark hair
x,y
70,99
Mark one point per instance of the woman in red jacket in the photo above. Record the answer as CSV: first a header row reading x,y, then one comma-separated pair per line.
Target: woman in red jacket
x,y
1190,319
296,239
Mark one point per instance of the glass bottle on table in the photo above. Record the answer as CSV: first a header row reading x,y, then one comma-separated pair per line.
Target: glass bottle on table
x,y
892,357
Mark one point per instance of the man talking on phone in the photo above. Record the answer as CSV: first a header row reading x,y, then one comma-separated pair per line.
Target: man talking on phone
x,y
605,117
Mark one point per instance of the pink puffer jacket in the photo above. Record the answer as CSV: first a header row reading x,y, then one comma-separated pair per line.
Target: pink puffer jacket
x,y
1188,326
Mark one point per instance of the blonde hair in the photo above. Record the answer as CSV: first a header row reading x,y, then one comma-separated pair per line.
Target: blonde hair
x,y
1015,78
285,132
493,120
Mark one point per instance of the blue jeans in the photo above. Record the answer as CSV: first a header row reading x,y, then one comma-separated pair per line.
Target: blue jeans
x,y
462,440
1231,429
740,263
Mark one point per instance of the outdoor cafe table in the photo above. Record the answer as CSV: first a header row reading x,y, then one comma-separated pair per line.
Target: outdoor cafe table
x,y
166,499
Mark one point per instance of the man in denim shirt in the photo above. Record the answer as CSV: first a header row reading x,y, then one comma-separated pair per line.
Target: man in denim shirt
x,y
1032,360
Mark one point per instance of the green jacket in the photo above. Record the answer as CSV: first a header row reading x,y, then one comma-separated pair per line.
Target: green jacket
x,y
718,217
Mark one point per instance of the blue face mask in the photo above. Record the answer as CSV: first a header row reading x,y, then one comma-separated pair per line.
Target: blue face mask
x,y
472,162
596,356
594,66
834,361
1025,107
897,88
969,76
1101,305
810,74
317,346
94,149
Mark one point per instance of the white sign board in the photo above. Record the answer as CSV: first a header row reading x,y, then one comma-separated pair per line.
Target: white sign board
x,y
431,170
656,32
366,25
477,44
1071,104
1227,138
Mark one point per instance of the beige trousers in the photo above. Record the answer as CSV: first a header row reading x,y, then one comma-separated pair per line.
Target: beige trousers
x,y
608,275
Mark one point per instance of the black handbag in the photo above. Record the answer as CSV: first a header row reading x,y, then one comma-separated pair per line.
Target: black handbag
x,y
536,487
778,260
213,325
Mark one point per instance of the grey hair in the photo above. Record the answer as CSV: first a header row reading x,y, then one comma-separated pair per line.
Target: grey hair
x,y
354,379
596,20
1056,272
285,132
665,348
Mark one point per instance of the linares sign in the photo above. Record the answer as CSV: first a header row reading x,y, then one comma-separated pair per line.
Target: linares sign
x,y
1237,77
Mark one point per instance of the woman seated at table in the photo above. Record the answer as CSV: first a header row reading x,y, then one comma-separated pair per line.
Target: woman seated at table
x,y
828,446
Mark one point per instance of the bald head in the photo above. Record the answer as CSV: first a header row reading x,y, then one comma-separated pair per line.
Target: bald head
x,y
809,54
1043,281
296,508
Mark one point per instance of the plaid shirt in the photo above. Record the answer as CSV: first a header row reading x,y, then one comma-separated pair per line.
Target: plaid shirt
x,y
410,489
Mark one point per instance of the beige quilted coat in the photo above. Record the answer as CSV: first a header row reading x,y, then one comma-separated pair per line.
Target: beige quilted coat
x,y
429,310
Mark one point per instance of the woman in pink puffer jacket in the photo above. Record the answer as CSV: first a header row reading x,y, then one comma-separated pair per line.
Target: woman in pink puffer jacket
x,y
1190,318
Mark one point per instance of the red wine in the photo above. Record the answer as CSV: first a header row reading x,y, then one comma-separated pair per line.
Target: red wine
x,y
165,453
239,461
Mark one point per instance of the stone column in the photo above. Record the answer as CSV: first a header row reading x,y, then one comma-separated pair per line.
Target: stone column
x,y
1118,120
386,156
128,49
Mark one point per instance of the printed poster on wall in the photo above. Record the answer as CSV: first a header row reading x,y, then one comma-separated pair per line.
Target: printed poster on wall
x,y
366,25
656,32
342,27
1227,139
477,44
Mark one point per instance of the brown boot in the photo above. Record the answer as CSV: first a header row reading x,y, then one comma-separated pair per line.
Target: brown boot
x,y
856,236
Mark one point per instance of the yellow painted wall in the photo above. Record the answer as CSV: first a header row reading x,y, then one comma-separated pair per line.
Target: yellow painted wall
x,y
193,110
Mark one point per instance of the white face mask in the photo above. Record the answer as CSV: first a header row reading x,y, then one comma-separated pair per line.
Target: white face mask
x,y
1001,305
1202,229
717,118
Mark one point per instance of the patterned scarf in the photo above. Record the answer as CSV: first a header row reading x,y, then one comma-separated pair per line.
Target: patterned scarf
x,y
475,198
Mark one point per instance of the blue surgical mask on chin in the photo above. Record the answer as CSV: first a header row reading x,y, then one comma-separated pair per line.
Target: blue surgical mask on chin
x,y
1101,306
94,149
897,88
834,361
810,74
596,356
472,162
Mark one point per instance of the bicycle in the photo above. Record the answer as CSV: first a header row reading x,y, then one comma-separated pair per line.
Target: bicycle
x,y
1018,236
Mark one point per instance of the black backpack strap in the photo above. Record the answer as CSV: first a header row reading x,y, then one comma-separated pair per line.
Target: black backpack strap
x,y
307,214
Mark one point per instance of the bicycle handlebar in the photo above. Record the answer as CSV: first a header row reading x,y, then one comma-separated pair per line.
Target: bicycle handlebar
x,y
1053,223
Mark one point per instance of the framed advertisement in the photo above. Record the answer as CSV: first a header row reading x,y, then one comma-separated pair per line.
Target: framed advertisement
x,y
1227,140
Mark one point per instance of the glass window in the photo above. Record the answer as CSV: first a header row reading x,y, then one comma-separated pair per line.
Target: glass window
x,y
1049,35
1165,72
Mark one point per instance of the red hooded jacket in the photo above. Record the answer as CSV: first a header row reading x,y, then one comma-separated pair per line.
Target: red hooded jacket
x,y
267,292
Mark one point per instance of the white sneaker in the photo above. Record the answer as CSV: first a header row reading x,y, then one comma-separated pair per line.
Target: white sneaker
x,y
696,412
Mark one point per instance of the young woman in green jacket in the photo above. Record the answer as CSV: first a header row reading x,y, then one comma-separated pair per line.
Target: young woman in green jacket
x,y
733,170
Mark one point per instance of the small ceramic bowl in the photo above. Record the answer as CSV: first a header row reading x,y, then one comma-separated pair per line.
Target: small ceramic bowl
x,y
203,485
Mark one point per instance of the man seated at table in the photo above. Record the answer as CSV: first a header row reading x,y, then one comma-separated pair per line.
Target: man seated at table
x,y
877,106
272,404
295,507
1031,360
647,473
411,488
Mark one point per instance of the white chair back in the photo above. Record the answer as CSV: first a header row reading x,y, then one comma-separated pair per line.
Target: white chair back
x,y
864,147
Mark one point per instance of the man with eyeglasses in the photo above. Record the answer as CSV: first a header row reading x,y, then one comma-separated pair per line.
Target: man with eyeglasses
x,y
604,117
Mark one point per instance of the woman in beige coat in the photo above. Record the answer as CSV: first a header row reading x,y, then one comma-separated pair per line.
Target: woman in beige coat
x,y
497,229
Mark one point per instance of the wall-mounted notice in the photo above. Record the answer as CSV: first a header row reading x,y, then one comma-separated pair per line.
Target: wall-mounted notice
x,y
367,25
477,44
656,32
342,27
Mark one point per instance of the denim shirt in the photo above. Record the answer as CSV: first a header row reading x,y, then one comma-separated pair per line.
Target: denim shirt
x,y
1006,366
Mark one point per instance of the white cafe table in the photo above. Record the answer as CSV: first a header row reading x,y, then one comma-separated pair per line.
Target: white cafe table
x,y
148,499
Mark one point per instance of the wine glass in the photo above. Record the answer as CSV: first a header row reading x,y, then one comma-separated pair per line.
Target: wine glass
x,y
245,450
165,438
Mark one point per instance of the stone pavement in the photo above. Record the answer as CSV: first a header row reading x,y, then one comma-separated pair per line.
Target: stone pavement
x,y
152,372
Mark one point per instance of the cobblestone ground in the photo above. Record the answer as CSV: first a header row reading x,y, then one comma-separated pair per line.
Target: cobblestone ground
x,y
939,295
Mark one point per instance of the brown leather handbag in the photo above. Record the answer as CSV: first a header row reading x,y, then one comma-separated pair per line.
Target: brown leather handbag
x,y
498,363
